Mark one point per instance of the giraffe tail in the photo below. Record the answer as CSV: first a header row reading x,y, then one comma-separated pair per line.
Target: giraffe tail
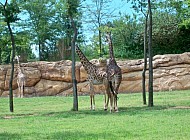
x,y
112,88
113,91
23,89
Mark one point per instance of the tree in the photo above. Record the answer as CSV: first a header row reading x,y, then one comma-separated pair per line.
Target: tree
x,y
167,14
145,54
10,13
143,8
6,49
23,49
125,37
150,87
72,13
140,5
64,29
40,22
4,40
100,12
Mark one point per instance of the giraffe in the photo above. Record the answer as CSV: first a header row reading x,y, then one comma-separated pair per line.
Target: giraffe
x,y
20,79
113,71
95,77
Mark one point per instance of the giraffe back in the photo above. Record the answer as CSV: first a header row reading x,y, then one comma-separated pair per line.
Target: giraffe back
x,y
95,75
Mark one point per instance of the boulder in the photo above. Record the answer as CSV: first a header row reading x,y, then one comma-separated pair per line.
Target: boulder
x,y
171,72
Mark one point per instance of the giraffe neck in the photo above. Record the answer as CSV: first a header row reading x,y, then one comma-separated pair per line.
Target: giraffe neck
x,y
110,46
19,70
85,62
17,58
20,73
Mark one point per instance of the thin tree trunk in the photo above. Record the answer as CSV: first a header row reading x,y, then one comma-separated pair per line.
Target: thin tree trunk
x,y
12,62
0,56
75,96
40,55
150,103
100,42
99,33
145,62
12,70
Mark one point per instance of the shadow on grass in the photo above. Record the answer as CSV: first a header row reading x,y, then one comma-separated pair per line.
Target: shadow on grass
x,y
64,135
122,111
75,114
82,113
9,136
76,135
141,110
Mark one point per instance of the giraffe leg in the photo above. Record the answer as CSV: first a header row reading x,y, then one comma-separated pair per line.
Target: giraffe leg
x,y
116,87
92,102
106,100
107,93
115,104
110,97
19,92
92,99
22,90
18,88
23,87
114,96
111,103
105,103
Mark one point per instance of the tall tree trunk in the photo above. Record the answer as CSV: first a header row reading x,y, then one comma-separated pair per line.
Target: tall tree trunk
x,y
40,55
100,42
0,56
12,57
75,96
145,62
150,102
12,70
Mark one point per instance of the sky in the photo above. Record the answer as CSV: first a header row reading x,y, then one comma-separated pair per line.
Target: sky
x,y
3,1
119,6
122,6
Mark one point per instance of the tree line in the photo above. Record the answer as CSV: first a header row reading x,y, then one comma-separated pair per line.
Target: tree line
x,y
45,25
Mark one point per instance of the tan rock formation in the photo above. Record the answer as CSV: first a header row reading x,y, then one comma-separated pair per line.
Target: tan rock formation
x,y
171,72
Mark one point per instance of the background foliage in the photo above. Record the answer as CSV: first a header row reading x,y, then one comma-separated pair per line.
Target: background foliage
x,y
44,28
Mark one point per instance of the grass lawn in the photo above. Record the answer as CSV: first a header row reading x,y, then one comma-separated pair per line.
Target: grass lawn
x,y
52,118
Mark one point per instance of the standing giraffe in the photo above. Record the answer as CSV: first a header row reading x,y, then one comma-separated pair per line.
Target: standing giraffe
x,y
95,77
113,71
20,79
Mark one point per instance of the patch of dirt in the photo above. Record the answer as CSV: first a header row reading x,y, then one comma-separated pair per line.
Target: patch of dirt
x,y
18,116
8,117
181,107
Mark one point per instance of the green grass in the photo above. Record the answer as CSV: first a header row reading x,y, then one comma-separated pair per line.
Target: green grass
x,y
52,118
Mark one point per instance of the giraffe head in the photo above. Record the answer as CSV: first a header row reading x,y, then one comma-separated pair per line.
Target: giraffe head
x,y
17,58
108,36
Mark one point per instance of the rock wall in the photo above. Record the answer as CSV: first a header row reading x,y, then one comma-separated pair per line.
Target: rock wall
x,y
171,72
